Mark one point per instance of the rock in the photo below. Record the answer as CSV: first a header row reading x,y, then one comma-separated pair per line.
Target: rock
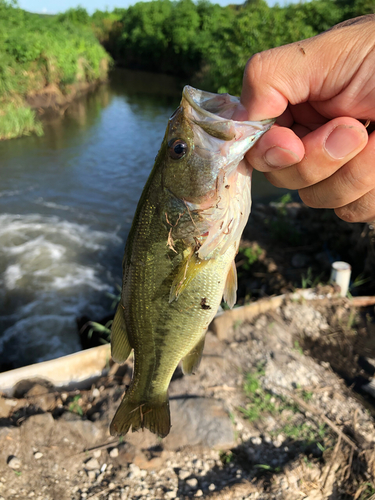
x,y
41,397
91,475
199,493
14,462
38,455
92,464
199,422
95,393
192,483
170,494
113,453
5,408
212,487
184,474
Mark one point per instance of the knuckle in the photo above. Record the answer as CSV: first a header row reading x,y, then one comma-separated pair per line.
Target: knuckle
x,y
310,197
256,65
347,214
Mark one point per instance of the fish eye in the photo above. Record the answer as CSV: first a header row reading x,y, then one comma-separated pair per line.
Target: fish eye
x,y
177,149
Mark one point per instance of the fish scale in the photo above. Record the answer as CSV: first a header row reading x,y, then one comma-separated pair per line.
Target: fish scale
x,y
179,256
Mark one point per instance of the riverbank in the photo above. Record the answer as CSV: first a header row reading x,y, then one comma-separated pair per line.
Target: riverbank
x,y
262,418
45,62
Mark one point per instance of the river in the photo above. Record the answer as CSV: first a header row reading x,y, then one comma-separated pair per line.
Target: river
x,y
66,205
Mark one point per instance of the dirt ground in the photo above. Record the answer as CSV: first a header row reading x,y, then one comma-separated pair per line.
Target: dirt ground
x,y
281,406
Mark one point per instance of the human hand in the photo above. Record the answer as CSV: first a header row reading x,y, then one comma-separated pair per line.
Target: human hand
x,y
319,89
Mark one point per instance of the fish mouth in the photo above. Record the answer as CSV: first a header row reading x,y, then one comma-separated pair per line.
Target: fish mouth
x,y
214,129
210,106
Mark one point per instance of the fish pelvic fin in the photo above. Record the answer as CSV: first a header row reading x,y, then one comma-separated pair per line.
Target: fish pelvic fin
x,y
192,360
120,345
190,266
230,289
153,415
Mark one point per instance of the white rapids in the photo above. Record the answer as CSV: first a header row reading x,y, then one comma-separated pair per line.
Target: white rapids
x,y
49,274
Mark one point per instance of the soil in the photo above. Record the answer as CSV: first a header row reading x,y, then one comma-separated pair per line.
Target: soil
x,y
279,408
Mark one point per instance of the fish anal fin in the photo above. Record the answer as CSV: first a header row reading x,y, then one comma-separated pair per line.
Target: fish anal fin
x,y
153,415
189,267
230,289
120,345
192,360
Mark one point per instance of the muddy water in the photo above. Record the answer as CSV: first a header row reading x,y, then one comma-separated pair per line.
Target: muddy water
x,y
66,205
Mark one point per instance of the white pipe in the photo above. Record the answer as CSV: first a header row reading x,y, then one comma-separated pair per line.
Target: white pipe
x,y
340,275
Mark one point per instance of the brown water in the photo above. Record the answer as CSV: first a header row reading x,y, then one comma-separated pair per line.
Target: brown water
x,y
66,205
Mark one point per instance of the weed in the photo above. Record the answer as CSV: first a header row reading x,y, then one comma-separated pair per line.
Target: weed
x,y
251,255
261,401
226,457
368,490
18,473
104,330
74,405
309,281
297,347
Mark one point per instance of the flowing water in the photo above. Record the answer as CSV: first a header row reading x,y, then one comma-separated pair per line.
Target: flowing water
x,y
66,205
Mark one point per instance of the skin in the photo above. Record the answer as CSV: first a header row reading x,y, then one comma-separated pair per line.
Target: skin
x,y
323,92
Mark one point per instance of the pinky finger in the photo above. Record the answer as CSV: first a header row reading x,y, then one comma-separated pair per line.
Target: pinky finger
x,y
361,210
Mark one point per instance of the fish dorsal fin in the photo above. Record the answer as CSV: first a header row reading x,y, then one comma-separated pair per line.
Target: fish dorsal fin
x,y
192,360
120,345
230,289
188,268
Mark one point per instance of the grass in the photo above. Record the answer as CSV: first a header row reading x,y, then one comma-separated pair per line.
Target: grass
x,y
74,405
261,402
35,52
17,120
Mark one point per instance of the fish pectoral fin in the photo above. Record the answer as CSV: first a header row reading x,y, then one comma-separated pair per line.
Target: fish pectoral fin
x,y
230,289
153,415
189,267
120,345
192,360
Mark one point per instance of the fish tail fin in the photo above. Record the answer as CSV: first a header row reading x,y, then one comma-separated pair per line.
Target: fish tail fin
x,y
153,415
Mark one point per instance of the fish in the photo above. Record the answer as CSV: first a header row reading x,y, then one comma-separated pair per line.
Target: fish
x,y
179,255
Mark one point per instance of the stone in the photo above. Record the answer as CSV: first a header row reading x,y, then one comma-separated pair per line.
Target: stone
x,y
199,493
38,455
192,483
41,397
91,475
199,422
170,494
92,464
113,453
14,462
184,474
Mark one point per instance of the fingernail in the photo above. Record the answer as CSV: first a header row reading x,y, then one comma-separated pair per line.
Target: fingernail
x,y
277,157
343,140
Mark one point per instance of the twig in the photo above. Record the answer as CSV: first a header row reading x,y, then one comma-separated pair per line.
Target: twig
x,y
320,415
99,447
97,495
331,462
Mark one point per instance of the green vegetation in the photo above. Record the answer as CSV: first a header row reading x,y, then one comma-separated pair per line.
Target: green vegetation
x,y
74,405
261,403
37,52
202,43
205,43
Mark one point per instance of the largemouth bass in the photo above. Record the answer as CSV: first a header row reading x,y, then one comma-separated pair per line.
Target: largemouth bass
x,y
179,255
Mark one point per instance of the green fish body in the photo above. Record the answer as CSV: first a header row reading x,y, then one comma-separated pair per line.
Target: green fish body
x,y
179,255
